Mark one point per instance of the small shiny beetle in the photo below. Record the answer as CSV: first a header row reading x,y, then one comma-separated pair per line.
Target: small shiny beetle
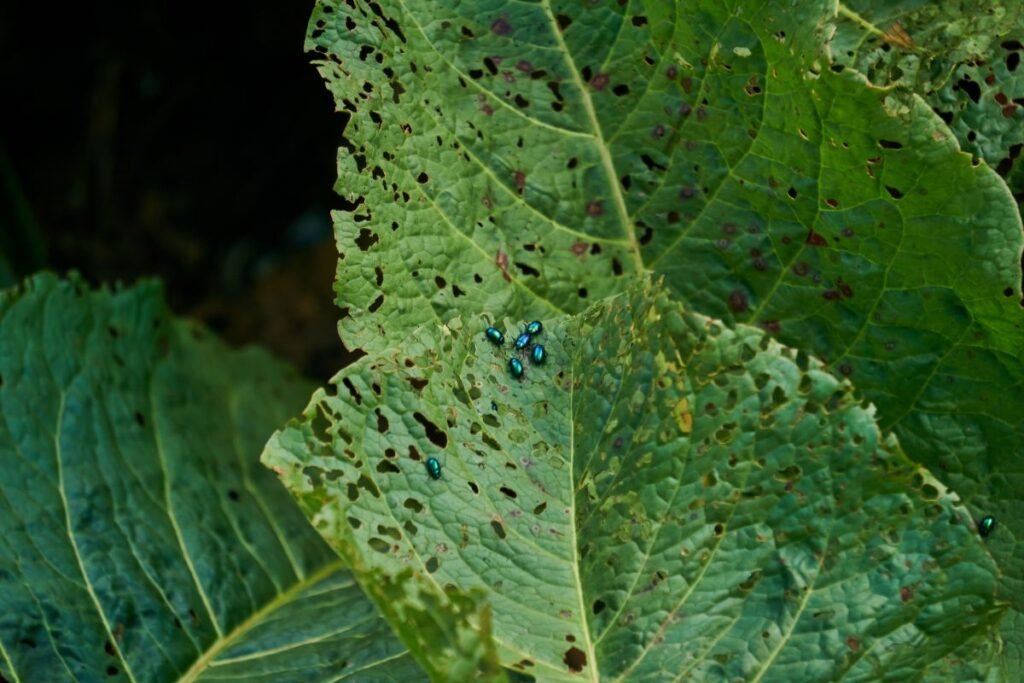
x,y
433,468
522,341
538,355
515,366
986,525
534,328
494,336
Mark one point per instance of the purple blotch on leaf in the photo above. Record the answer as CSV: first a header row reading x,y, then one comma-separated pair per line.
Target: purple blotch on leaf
x,y
737,301
501,26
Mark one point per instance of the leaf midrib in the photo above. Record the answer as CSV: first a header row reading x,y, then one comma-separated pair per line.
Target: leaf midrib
x,y
281,600
602,147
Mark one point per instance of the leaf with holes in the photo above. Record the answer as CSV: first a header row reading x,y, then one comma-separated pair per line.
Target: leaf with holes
x,y
141,539
663,498
524,160
961,57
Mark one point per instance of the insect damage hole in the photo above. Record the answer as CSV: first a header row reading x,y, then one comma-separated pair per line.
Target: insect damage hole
x,y
575,659
434,433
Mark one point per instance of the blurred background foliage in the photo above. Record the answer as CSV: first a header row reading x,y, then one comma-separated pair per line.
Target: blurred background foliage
x,y
190,141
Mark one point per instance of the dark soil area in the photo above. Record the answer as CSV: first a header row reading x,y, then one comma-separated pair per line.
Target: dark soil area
x,y
189,141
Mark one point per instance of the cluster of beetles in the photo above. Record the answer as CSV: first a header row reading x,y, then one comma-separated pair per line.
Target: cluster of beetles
x,y
538,354
524,342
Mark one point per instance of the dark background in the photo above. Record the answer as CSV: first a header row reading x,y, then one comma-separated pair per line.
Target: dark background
x,y
190,141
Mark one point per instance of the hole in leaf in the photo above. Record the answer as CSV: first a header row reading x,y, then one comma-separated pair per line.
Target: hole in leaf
x,y
972,89
387,467
366,239
527,270
434,433
575,659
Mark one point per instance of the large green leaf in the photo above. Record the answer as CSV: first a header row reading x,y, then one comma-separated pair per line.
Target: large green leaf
x,y
525,159
140,539
961,57
665,498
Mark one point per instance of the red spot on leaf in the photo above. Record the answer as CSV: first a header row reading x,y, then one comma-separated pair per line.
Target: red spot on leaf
x,y
844,288
594,209
501,260
830,294
579,248
737,301
816,240
520,180
599,81
771,326
501,26
853,644
906,594
524,66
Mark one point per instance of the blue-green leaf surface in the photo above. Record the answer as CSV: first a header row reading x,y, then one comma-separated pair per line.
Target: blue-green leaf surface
x,y
961,57
140,539
663,499
526,159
